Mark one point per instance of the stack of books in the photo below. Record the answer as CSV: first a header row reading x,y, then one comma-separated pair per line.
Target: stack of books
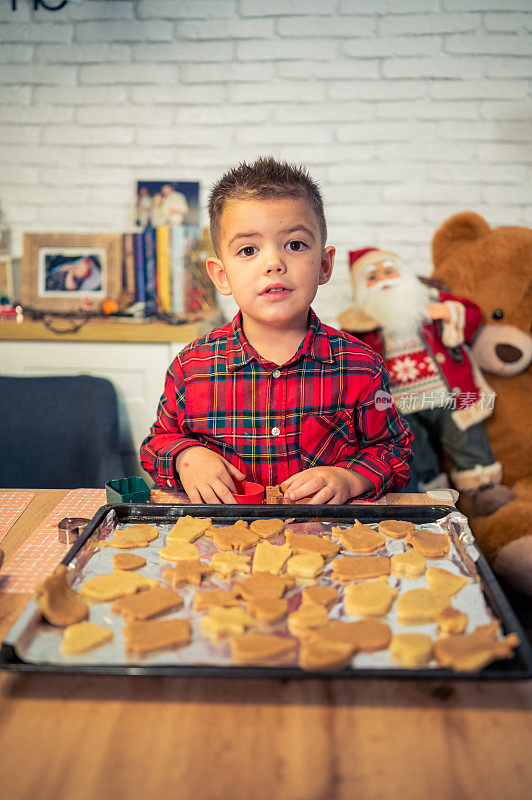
x,y
164,269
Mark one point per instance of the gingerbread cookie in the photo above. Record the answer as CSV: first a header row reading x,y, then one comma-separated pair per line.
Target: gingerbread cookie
x,y
309,543
319,654
410,564
115,584
185,572
188,529
322,595
452,621
128,561
58,603
445,582
419,606
228,562
263,585
369,599
305,565
273,496
260,648
396,528
156,634
133,536
267,527
411,649
469,652
150,603
267,609
430,544
213,598
237,539
270,557
223,622
239,525
358,568
360,538
364,635
307,618
179,551
82,637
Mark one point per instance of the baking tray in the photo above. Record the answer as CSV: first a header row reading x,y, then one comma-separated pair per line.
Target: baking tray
x,y
110,516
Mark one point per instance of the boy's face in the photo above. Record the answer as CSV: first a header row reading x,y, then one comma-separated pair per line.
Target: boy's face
x,y
271,260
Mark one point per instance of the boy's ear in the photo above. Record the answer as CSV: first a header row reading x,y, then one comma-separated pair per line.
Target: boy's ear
x,y
218,276
327,263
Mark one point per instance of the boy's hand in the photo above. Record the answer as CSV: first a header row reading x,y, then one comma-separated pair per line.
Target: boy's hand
x,y
206,476
333,485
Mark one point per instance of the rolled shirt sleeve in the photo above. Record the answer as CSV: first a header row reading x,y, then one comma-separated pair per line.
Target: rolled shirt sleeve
x,y
167,437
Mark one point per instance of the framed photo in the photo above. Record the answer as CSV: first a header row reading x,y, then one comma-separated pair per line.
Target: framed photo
x,y
6,278
167,203
60,270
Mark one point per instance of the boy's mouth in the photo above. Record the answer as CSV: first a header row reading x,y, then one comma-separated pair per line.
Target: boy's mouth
x,y
275,288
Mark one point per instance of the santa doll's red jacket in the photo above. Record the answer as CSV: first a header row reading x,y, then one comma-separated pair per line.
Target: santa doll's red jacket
x,y
446,345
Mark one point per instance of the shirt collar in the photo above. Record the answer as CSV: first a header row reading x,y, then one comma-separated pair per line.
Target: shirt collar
x,y
315,345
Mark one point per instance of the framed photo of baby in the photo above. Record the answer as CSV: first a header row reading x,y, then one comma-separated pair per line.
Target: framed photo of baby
x,y
61,270
167,203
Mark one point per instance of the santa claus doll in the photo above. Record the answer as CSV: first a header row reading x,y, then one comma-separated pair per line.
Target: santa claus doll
x,y
422,334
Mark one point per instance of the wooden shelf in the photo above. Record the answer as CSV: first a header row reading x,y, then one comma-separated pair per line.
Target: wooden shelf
x,y
101,331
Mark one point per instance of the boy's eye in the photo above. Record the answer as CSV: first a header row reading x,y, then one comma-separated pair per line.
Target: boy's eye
x,y
388,270
372,276
296,246
248,250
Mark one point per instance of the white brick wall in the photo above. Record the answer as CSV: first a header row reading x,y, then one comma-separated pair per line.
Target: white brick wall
x,y
406,111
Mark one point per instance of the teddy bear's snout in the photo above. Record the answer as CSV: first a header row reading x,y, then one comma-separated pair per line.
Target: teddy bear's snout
x,y
502,349
508,353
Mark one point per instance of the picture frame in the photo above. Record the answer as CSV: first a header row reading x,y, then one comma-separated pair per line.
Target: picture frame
x,y
167,202
61,270
7,286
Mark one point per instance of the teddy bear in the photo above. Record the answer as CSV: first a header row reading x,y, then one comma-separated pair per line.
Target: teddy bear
x,y
493,266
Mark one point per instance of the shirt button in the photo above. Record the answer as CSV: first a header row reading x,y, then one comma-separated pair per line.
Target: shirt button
x,y
456,391
275,431
440,358
276,373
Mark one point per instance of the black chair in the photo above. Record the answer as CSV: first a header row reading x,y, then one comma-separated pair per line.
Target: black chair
x,y
58,432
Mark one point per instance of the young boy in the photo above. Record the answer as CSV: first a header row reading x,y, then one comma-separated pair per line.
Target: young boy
x,y
275,396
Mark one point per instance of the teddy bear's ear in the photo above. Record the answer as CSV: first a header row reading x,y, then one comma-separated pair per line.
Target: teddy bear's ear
x,y
455,232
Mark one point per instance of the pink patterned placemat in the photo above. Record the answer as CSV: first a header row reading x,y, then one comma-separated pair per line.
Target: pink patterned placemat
x,y
159,496
12,505
39,554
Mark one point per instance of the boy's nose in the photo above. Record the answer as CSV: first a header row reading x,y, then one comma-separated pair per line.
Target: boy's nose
x,y
275,267
275,263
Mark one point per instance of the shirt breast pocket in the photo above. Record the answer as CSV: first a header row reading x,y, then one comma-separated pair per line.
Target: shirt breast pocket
x,y
326,439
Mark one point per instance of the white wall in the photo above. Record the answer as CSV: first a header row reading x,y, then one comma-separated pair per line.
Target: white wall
x,y
406,111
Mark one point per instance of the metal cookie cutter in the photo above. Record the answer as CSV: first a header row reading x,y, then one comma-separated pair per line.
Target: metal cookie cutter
x,y
71,528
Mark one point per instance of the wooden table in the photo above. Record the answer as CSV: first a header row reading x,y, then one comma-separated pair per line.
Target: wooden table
x,y
137,738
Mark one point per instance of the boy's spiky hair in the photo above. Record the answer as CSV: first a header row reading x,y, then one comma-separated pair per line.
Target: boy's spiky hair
x,y
265,179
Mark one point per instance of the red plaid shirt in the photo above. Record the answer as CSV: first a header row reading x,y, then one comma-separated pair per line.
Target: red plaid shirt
x,y
323,407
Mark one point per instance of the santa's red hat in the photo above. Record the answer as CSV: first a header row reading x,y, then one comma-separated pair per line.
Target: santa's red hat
x,y
354,255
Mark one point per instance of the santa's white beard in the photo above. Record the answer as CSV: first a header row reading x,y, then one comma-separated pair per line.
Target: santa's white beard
x,y
400,308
